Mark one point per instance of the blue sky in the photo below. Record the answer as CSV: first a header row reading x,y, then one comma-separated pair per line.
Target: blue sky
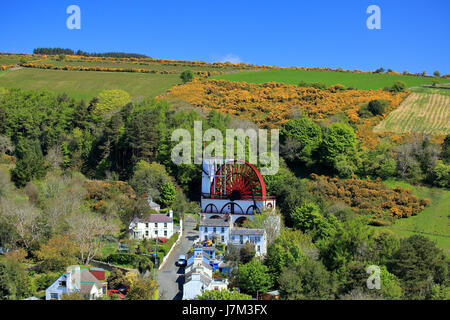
x,y
414,35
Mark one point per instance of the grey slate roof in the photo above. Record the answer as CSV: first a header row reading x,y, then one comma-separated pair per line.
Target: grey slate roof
x,y
245,231
214,223
203,278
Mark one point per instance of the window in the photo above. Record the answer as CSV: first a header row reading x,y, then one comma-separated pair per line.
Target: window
x,y
222,229
223,239
165,233
146,225
206,229
241,239
53,296
156,232
258,248
62,283
165,225
146,233
156,224
214,229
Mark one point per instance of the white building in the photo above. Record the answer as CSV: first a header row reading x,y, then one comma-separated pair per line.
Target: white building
x,y
257,237
154,226
199,277
233,187
215,229
81,281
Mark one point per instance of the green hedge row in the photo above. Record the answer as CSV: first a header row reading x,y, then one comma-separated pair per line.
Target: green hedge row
x,y
127,259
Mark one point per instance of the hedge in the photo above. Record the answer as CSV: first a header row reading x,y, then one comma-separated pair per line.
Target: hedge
x,y
126,259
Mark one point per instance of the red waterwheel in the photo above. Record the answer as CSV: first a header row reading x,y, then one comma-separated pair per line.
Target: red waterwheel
x,y
238,180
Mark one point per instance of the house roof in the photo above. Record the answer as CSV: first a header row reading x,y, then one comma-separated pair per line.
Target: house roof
x,y
87,280
99,273
245,231
203,277
214,223
153,204
154,218
86,288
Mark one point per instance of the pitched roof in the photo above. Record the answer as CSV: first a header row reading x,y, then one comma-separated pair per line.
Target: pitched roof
x,y
245,231
203,277
87,280
154,218
85,288
214,223
98,273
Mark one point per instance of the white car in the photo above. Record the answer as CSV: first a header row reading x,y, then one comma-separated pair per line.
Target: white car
x,y
182,260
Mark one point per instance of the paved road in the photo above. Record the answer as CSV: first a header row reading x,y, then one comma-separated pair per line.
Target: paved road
x,y
171,277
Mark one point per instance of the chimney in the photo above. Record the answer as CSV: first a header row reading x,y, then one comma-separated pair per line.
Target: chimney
x,y
170,214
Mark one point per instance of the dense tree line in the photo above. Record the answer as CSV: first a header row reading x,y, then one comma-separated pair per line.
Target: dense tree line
x,y
57,51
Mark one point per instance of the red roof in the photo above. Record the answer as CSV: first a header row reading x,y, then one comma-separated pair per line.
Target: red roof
x,y
99,274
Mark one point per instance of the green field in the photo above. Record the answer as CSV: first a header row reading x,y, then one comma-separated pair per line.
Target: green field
x,y
419,112
355,80
87,84
433,222
445,92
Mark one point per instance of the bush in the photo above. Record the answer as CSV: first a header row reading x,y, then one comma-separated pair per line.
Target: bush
x,y
187,75
127,259
317,85
43,281
398,86
377,107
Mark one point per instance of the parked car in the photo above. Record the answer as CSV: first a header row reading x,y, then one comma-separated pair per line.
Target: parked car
x,y
182,260
124,289
116,292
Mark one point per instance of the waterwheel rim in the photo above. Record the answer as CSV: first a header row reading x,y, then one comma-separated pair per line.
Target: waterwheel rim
x,y
238,180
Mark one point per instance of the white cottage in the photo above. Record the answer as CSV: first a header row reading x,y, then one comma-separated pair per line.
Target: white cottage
x,y
82,281
154,226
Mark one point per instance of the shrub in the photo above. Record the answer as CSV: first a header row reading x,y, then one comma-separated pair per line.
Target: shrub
x,y
127,259
377,107
187,75
398,86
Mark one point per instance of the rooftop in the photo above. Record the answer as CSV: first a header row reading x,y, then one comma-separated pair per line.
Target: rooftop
x,y
154,218
214,223
245,231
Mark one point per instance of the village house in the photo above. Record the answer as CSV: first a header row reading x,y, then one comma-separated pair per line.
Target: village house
x,y
216,230
257,237
222,231
89,283
153,226
153,205
199,275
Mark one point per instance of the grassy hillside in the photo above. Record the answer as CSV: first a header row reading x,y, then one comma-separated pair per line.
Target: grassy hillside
x,y
419,112
355,80
433,222
86,84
